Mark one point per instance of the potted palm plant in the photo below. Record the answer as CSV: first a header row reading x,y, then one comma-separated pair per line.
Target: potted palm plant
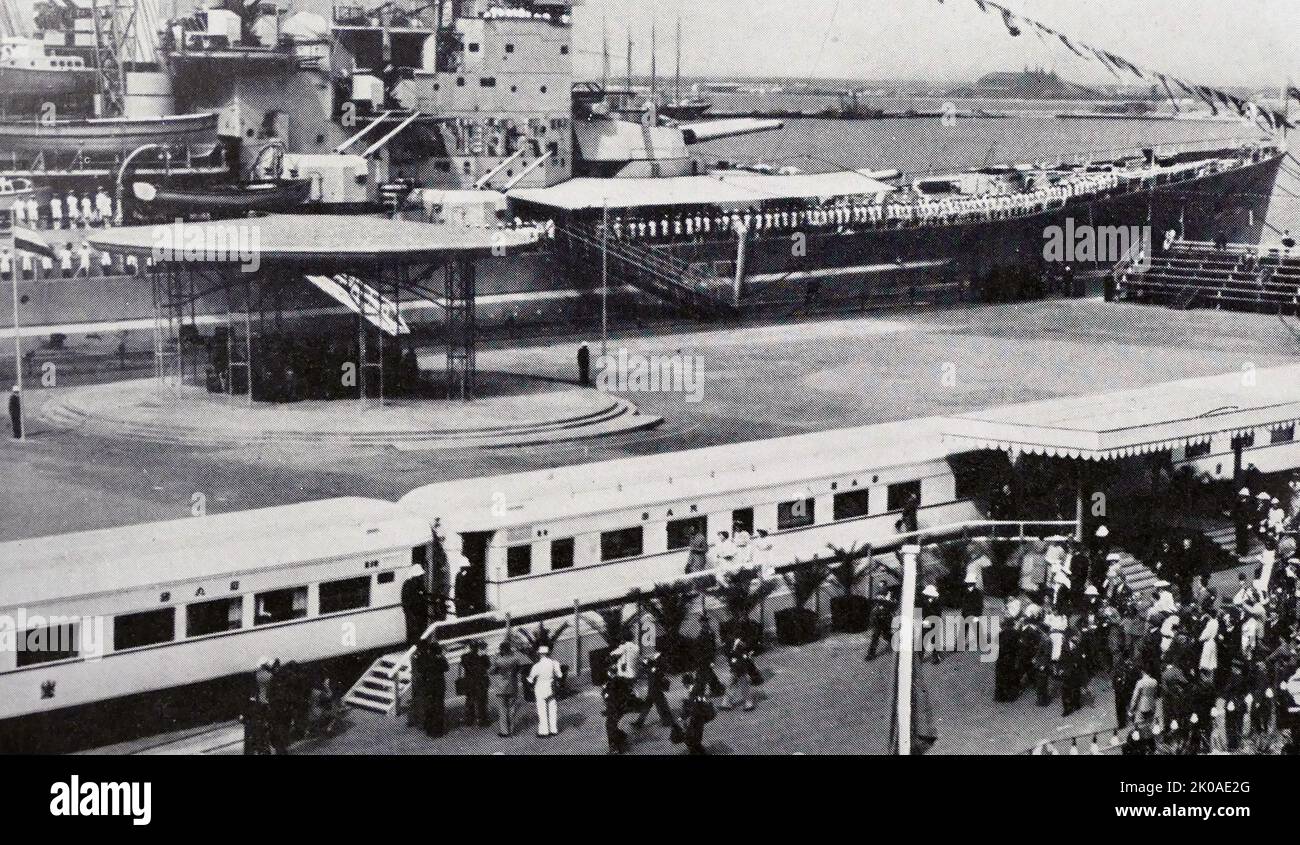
x,y
529,642
670,606
740,593
851,612
797,624
613,629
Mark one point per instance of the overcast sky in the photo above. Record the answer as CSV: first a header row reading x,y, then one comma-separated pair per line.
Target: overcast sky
x,y
1226,42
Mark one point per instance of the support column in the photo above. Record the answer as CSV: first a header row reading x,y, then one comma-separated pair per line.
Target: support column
x,y
1081,496
461,327
906,602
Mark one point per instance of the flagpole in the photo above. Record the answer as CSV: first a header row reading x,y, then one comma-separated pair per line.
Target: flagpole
x,y
604,278
18,340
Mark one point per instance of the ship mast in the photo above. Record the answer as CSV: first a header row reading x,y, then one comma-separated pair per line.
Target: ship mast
x,y
629,62
604,55
677,75
653,68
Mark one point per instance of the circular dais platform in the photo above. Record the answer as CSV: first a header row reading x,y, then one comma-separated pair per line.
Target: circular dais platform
x,y
543,412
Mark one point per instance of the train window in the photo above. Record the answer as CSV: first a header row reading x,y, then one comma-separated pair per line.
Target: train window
x,y
280,606
386,577
214,617
852,504
562,554
680,530
1283,435
624,543
133,630
1197,450
898,494
519,561
743,520
348,594
795,514
47,644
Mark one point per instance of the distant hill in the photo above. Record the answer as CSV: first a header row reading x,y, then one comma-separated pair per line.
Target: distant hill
x,y
1028,84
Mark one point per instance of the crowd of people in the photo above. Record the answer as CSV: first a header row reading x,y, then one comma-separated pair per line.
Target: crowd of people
x,y
68,260
288,704
71,211
637,681
1192,671
860,213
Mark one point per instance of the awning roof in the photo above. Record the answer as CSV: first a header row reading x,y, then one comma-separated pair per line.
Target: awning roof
x,y
312,238
729,188
1139,421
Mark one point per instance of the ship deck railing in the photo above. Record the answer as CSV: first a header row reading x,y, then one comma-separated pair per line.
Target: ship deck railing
x,y
848,219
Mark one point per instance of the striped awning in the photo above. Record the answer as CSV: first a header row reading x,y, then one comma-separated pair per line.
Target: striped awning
x,y
1140,421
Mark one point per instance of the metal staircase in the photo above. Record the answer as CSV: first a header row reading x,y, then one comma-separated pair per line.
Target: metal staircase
x,y
653,271
382,686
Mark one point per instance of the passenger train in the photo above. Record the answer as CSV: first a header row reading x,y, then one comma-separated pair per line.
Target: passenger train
x,y
115,614
112,619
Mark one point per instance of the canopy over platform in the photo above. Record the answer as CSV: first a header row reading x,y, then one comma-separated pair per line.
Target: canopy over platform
x,y
315,239
738,188
1139,421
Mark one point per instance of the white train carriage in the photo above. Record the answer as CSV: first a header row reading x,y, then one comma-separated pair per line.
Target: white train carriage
x,y
541,539
97,615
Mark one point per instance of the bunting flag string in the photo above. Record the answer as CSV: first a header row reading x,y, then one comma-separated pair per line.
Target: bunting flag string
x,y
1213,97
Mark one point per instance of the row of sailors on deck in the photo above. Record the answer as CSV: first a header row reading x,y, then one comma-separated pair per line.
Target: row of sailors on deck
x,y
84,210
890,214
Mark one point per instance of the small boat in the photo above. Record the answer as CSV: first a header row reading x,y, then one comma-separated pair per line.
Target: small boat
x,y
27,69
110,135
224,200
683,110
14,188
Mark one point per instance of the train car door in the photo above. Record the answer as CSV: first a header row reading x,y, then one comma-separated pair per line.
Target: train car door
x,y
743,520
471,583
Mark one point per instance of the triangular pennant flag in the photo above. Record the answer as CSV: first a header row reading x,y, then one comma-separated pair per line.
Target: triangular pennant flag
x,y
1173,101
1067,43
1009,20
1292,91
983,8
1102,56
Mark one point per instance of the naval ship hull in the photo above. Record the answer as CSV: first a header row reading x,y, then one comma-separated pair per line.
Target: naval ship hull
x,y
542,287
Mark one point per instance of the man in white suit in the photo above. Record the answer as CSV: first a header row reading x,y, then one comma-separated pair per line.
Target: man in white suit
x,y
543,676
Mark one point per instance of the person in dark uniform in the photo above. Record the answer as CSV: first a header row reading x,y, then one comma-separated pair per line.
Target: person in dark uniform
x,y
619,700
16,411
706,651
1074,673
1005,685
972,598
415,608
1123,677
435,711
884,606
281,707
657,683
584,365
475,665
911,505
697,711
469,591
1043,669
1242,510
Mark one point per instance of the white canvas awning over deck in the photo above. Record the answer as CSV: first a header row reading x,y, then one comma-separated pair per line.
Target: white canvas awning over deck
x,y
1139,421
730,188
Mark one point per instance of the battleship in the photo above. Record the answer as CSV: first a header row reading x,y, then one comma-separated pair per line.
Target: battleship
x,y
408,108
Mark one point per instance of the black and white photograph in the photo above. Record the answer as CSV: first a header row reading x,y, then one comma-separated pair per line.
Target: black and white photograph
x,y
595,378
